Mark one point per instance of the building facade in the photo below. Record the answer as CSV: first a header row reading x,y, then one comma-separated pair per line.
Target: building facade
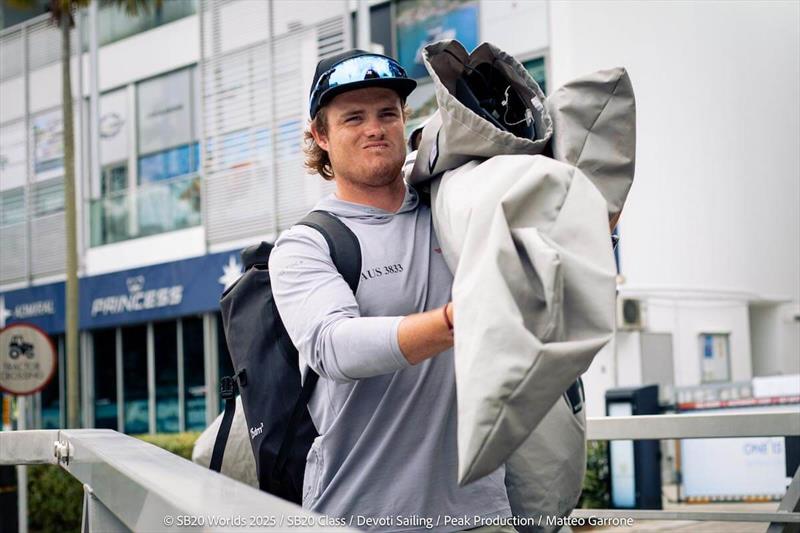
x,y
189,124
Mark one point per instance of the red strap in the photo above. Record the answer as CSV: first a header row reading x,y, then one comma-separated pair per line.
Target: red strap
x,y
447,318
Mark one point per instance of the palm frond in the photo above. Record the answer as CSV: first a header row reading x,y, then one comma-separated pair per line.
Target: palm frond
x,y
134,7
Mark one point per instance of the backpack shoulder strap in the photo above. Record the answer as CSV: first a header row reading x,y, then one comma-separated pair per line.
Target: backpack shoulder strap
x,y
346,255
342,242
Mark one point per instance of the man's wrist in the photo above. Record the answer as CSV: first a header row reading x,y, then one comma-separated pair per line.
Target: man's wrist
x,y
447,319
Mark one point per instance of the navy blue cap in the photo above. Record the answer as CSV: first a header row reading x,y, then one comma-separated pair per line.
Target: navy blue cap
x,y
394,77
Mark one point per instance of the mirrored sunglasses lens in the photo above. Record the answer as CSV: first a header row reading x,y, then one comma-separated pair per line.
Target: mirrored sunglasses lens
x,y
361,68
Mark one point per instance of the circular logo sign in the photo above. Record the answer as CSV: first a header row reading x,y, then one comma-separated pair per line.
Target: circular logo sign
x,y
27,359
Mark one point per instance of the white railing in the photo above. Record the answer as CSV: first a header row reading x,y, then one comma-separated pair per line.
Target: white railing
x,y
689,426
130,485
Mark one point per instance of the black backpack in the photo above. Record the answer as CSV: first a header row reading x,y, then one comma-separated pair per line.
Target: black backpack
x,y
266,366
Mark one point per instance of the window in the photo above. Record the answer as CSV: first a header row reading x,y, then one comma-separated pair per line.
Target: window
x,y
48,143
104,349
537,70
714,357
165,195
114,179
164,112
134,363
12,156
194,377
12,206
169,163
48,197
114,24
165,342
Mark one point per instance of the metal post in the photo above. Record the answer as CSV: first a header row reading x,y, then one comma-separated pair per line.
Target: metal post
x,y
97,517
201,91
28,151
120,380
62,385
273,121
94,99
790,504
364,41
347,28
151,379
22,471
211,357
181,379
87,380
71,288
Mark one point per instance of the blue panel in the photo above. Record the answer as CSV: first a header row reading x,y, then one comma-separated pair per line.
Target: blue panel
x,y
157,292
42,306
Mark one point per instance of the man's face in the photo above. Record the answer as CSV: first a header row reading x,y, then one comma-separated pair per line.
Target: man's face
x,y
365,136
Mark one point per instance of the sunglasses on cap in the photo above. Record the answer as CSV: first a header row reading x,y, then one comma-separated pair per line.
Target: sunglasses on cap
x,y
356,72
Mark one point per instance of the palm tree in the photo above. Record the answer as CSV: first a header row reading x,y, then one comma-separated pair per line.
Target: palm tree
x,y
62,15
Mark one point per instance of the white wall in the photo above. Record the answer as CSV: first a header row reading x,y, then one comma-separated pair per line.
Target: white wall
x,y
775,335
715,201
162,248
517,27
600,377
686,315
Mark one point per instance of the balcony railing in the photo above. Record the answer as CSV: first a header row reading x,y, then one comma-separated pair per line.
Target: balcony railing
x,y
150,209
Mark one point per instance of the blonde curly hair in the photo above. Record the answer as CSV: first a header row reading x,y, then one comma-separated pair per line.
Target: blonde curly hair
x,y
317,160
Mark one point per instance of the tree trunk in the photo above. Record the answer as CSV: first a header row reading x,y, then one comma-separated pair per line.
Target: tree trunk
x,y
73,392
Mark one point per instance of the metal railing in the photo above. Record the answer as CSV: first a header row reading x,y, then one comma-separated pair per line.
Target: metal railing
x,y
130,485
690,426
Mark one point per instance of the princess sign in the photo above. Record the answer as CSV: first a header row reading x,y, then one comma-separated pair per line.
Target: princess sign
x,y
27,359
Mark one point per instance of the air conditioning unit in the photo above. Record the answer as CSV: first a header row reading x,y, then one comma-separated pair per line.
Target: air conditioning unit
x,y
630,314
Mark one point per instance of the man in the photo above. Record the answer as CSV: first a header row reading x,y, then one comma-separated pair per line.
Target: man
x,y
385,402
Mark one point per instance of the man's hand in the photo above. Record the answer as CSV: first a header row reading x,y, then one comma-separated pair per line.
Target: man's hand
x,y
423,335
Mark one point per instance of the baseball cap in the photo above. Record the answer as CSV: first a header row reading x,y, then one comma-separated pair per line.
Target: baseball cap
x,y
356,69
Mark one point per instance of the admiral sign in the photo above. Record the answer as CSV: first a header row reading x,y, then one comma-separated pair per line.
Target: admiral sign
x,y
27,359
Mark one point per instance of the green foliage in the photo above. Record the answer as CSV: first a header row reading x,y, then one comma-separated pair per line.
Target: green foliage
x,y
178,443
55,498
595,493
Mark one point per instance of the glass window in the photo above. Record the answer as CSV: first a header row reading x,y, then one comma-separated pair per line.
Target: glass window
x,y
114,24
12,206
194,376
165,341
537,71
104,348
12,156
164,112
48,143
48,197
169,163
714,357
225,365
134,363
114,179
419,23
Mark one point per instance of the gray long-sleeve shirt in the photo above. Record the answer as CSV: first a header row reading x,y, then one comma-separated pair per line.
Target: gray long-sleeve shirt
x,y
387,445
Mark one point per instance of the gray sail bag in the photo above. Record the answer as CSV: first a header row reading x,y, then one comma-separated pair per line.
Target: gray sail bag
x,y
521,201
